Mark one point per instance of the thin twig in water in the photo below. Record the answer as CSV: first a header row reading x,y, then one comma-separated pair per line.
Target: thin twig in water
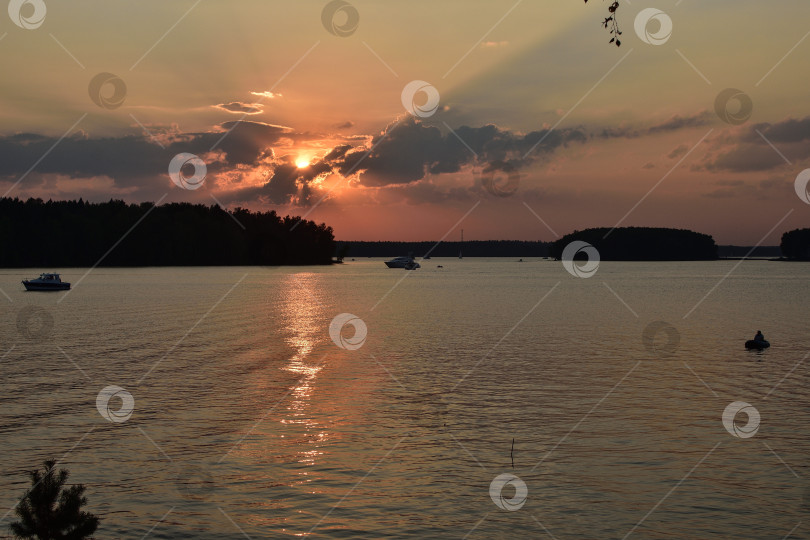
x,y
512,453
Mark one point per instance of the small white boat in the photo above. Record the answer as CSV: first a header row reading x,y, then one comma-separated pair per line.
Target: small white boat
x,y
46,282
409,263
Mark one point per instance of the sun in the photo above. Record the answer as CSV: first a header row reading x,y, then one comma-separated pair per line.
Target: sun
x,y
302,163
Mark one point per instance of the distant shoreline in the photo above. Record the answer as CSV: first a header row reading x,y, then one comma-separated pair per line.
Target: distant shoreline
x,y
29,271
521,249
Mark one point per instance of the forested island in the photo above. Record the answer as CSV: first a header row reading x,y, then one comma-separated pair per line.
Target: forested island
x,y
59,234
643,244
796,245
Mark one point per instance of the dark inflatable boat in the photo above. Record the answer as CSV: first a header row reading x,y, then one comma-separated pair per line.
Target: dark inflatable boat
x,y
756,345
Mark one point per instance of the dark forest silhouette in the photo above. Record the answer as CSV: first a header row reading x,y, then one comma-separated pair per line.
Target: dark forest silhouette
x,y
796,244
643,244
55,234
60,234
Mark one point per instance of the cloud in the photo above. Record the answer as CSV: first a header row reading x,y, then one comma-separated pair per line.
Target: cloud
x,y
267,94
239,107
679,122
493,44
288,184
344,125
788,131
721,194
760,147
134,160
745,158
733,188
674,123
409,151
255,161
678,151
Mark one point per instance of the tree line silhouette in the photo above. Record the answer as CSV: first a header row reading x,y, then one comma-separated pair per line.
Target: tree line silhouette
x,y
55,234
58,234
643,244
796,245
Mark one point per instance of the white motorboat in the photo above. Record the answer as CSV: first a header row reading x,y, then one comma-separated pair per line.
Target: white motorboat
x,y
409,263
46,282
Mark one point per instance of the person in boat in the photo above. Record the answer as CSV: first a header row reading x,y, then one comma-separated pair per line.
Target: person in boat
x,y
759,336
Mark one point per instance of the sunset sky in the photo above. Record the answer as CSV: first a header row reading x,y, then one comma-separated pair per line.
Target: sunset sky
x,y
283,112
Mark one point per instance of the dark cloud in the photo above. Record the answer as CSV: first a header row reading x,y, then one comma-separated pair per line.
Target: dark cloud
x,y
337,153
408,151
745,158
239,107
287,184
758,147
788,131
678,151
621,132
678,122
721,194
247,141
735,188
427,192
344,125
130,158
777,184
675,123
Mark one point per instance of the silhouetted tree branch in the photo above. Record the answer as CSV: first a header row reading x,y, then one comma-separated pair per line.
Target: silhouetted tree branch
x,y
612,24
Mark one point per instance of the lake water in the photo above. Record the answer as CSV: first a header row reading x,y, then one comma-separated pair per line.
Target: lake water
x,y
247,419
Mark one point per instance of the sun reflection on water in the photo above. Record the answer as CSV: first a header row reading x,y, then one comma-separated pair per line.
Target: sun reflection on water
x,y
302,313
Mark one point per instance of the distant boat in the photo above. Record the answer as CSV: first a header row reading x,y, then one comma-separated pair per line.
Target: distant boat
x,y
46,282
403,262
